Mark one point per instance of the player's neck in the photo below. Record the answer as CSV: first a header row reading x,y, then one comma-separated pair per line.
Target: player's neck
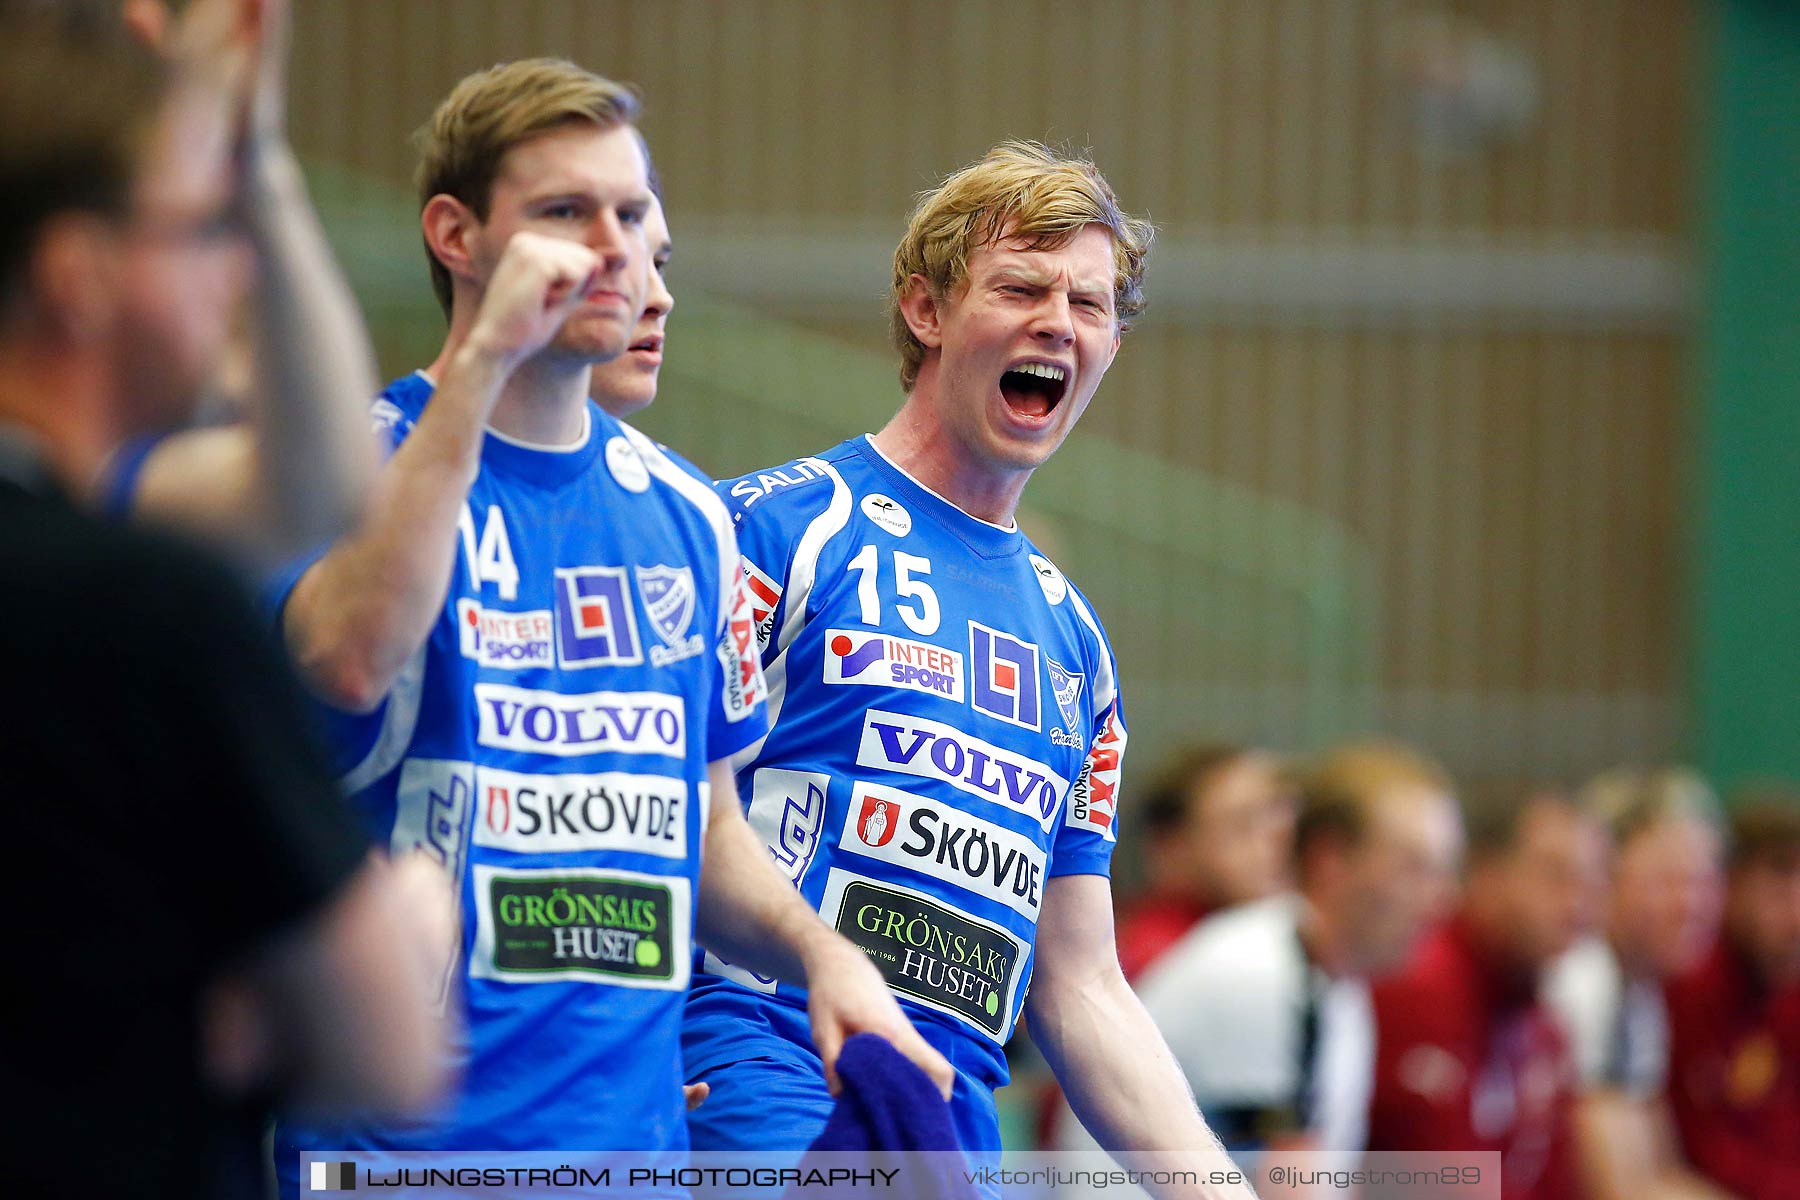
x,y
1635,961
1321,936
920,445
543,402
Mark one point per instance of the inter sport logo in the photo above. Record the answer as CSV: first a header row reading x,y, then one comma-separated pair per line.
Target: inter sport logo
x,y
878,660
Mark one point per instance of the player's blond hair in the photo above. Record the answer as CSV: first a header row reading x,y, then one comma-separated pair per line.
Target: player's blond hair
x,y
1022,190
1630,800
488,113
1340,791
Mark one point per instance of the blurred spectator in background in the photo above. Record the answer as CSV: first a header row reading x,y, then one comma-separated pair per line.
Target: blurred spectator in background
x,y
1469,1059
205,931
1217,832
1266,1006
282,459
1734,1020
1661,915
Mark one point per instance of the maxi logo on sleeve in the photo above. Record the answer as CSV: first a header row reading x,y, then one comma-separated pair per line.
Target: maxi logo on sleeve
x,y
514,718
745,687
579,925
933,750
765,596
944,959
876,659
961,849
531,814
1094,802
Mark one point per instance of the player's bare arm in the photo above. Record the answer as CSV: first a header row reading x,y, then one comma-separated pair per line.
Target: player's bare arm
x,y
1111,1060
359,613
299,469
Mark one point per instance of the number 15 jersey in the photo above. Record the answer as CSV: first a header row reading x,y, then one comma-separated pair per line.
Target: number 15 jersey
x,y
945,736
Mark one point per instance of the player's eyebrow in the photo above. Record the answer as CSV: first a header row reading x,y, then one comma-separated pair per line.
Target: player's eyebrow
x,y
1020,273
562,195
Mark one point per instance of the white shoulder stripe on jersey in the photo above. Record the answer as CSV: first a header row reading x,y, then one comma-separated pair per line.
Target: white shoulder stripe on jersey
x,y
1106,683
797,589
708,502
805,569
397,724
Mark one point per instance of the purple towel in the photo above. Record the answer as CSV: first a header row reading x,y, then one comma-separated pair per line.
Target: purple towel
x,y
889,1105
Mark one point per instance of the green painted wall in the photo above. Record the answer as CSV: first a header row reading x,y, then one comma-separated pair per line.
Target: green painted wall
x,y
1747,536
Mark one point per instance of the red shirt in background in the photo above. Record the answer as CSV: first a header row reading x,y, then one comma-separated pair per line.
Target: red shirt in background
x,y
1734,1077
1150,925
1468,1059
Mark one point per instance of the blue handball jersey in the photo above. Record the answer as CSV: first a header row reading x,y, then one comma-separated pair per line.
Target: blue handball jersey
x,y
945,735
549,746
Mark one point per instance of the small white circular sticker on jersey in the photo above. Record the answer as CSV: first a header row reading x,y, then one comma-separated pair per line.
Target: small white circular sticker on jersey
x,y
888,514
1050,579
627,465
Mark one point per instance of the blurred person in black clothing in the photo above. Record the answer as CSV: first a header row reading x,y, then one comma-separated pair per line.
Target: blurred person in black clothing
x,y
198,927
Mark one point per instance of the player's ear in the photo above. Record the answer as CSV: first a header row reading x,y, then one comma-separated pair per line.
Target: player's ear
x,y
921,311
75,277
450,229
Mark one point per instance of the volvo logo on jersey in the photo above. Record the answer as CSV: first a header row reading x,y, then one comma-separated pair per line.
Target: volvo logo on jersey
x,y
668,594
512,718
1004,676
933,750
876,659
595,624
